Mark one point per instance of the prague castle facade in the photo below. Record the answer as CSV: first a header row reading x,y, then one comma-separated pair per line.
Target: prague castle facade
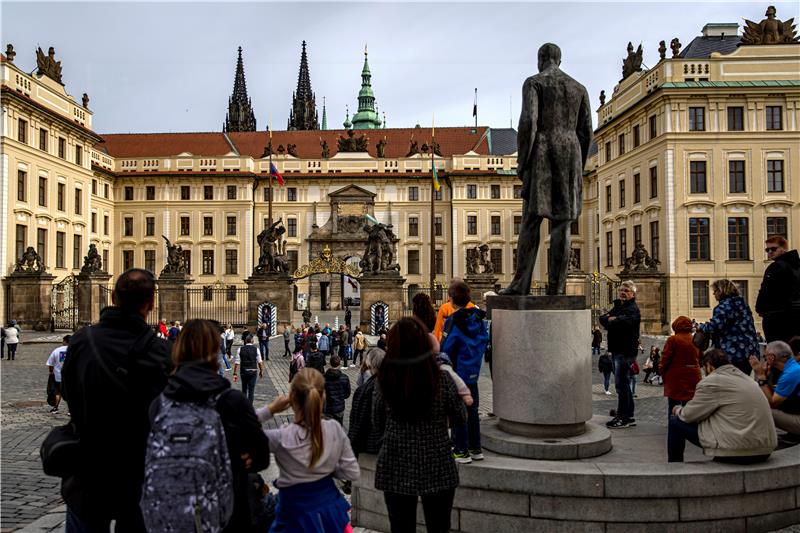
x,y
65,186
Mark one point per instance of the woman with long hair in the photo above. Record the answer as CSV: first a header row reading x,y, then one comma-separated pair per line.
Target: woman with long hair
x,y
196,379
422,308
310,452
413,401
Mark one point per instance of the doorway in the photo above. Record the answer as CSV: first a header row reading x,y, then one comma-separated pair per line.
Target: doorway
x,y
324,295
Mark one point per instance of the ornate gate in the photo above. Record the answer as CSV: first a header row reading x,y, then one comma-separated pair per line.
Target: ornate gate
x,y
64,303
601,290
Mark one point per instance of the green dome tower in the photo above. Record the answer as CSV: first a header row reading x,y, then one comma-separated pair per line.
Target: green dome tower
x,y
366,118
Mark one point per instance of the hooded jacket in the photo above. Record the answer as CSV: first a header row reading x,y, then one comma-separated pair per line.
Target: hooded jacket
x,y
680,362
623,331
732,414
196,382
780,289
732,329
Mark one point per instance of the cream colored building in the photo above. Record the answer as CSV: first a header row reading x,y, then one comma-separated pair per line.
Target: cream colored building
x,y
699,159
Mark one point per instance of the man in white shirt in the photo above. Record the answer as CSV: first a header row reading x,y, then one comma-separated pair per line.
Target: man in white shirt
x,y
249,359
54,363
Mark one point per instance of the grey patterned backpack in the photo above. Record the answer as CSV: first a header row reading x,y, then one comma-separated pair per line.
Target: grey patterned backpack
x,y
187,476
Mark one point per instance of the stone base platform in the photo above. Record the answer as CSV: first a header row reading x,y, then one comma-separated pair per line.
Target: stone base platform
x,y
595,441
630,489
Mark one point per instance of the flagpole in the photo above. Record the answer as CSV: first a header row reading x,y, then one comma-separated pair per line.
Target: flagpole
x,y
269,213
433,216
475,109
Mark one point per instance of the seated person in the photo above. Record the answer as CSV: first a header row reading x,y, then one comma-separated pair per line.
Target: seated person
x,y
728,417
784,397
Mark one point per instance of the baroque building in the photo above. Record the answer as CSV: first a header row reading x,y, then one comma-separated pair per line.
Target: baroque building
x,y
303,114
240,116
698,159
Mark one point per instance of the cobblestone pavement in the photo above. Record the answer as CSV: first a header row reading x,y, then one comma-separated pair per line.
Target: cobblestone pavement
x,y
30,501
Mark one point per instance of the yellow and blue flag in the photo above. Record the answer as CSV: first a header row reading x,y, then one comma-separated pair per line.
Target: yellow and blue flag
x,y
435,177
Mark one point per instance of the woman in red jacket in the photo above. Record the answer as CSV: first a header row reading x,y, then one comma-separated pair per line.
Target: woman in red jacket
x,y
680,364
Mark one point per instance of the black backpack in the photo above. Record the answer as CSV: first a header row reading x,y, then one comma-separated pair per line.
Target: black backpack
x,y
316,360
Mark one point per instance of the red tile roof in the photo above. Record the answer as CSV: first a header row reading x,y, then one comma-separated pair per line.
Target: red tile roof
x,y
164,144
398,141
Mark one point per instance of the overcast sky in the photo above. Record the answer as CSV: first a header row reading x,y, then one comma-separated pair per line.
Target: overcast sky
x,y
151,67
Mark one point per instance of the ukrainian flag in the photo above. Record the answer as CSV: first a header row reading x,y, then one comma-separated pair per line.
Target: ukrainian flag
x,y
435,177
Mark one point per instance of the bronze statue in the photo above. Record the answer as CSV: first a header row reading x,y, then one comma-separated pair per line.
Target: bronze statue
x,y
30,262
47,65
575,260
479,261
675,45
267,240
640,261
326,151
381,148
555,132
92,261
85,100
175,261
769,31
352,143
10,53
379,252
662,50
633,62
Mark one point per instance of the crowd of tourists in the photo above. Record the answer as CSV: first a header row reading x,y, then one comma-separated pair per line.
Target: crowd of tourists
x,y
727,388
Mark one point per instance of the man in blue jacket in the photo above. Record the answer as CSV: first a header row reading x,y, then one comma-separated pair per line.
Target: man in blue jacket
x,y
622,324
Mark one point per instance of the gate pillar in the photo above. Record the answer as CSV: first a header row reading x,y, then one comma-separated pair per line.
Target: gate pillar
x,y
385,288
273,287
89,297
172,296
28,297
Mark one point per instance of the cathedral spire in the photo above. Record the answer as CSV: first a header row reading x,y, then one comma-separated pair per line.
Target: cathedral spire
x,y
324,115
303,115
240,115
366,117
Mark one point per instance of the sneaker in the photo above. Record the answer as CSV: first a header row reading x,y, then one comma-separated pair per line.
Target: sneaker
x,y
54,410
608,393
619,423
631,422
462,458
476,455
612,421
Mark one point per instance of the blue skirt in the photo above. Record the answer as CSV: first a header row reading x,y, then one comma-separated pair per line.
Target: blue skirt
x,y
316,507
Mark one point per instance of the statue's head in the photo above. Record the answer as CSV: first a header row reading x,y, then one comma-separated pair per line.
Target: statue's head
x,y
770,12
549,54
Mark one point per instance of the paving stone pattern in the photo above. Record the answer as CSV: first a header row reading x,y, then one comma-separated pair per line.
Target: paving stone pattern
x,y
30,501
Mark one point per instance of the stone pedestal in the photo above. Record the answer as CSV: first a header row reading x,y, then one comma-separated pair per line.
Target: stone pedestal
x,y
576,284
274,288
650,296
28,299
381,287
542,379
479,285
91,296
173,300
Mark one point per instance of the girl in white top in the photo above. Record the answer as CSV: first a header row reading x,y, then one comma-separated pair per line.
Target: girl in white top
x,y
310,453
12,339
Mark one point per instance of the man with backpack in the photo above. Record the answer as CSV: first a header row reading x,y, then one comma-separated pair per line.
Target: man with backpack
x,y
465,337
111,374
252,367
315,358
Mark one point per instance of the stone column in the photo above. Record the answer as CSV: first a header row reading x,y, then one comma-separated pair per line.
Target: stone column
x,y
479,284
275,288
649,298
173,299
382,287
90,298
28,299
542,379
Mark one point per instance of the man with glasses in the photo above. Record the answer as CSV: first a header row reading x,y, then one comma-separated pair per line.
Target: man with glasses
x,y
784,399
622,323
778,300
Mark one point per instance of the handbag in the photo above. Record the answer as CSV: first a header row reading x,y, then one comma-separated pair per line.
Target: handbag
x,y
635,367
701,340
60,451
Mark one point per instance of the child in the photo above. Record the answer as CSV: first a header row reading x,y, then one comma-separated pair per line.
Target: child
x,y
337,390
297,364
444,363
310,452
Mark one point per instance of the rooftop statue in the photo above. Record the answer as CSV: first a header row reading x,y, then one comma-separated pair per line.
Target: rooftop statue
x,y
769,31
662,49
633,62
351,143
555,132
675,45
47,64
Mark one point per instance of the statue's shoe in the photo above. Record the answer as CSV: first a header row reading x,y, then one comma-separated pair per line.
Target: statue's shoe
x,y
510,291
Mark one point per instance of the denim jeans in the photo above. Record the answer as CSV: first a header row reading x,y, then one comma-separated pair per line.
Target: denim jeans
x,y
678,432
622,378
606,380
249,379
595,350
468,436
225,360
672,403
132,523
633,384
263,347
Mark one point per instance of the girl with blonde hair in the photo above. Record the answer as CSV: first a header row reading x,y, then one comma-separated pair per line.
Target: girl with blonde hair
x,y
310,453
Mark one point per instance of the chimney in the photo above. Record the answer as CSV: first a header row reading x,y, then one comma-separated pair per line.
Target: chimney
x,y
720,29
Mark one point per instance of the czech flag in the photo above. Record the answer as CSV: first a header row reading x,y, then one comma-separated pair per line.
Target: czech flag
x,y
273,171
435,177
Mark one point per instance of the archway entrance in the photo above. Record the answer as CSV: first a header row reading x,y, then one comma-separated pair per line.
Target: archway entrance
x,y
333,281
